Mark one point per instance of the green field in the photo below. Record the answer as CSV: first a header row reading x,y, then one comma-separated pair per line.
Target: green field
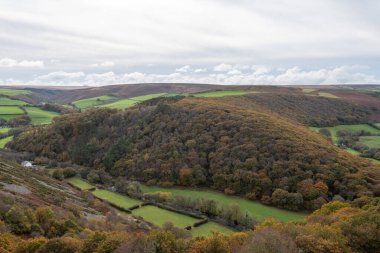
x,y
8,101
159,216
95,101
40,116
4,130
80,183
4,141
11,110
12,92
254,208
326,95
220,93
208,228
370,141
121,104
116,198
147,97
352,128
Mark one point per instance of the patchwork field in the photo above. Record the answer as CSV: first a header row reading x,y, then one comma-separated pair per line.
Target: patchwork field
x,y
4,130
95,101
40,116
159,216
81,184
352,128
326,95
147,97
8,101
4,141
209,227
12,92
121,104
116,198
10,110
221,93
254,208
370,141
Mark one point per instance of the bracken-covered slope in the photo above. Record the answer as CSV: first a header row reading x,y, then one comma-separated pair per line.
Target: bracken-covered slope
x,y
216,143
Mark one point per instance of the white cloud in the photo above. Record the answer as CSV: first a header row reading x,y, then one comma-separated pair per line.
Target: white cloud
x,y
295,75
223,67
104,64
9,63
184,69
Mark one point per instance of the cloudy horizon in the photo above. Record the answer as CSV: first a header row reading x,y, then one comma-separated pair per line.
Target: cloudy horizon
x,y
92,43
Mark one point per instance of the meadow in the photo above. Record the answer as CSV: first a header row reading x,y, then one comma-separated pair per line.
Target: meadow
x,y
11,110
159,216
4,141
220,93
370,141
120,104
94,101
8,101
4,130
209,227
352,128
254,208
12,92
81,184
116,198
40,116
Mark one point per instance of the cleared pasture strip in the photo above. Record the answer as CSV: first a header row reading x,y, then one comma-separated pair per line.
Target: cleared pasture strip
x,y
40,116
8,101
116,198
94,101
159,216
11,110
4,141
120,104
4,130
81,184
370,141
209,227
13,92
254,208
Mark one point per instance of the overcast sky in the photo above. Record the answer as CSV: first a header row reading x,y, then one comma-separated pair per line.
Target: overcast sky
x,y
101,42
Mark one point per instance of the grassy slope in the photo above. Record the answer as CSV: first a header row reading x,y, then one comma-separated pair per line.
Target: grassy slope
x,y
210,227
370,141
11,92
8,101
121,104
115,198
220,93
4,130
10,110
40,116
95,101
4,141
256,209
353,128
159,216
81,184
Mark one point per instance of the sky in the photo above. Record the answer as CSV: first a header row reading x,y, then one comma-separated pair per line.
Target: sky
x,y
272,42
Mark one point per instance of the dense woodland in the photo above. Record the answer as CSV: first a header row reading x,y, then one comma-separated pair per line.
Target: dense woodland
x,y
234,147
313,110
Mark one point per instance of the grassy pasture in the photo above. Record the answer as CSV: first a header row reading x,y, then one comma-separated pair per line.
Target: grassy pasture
x,y
8,101
370,141
159,216
352,128
308,90
116,198
121,104
12,92
10,110
40,116
254,208
95,101
208,228
147,97
4,141
220,93
10,116
80,183
4,130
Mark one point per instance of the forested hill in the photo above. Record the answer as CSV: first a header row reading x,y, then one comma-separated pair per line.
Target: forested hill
x,y
238,149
